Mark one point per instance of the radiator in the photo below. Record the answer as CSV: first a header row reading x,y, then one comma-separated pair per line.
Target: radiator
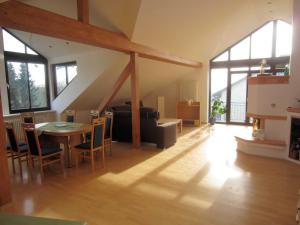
x,y
40,117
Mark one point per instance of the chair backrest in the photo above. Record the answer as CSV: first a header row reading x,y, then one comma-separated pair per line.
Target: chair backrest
x,y
94,114
31,138
70,115
109,117
11,136
28,117
97,134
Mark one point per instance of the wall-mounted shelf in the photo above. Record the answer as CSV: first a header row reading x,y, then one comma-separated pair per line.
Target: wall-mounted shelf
x,y
268,80
293,110
266,117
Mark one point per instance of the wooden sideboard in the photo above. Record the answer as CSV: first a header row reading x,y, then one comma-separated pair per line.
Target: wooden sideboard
x,y
189,112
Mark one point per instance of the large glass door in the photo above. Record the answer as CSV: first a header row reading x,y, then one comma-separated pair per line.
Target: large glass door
x,y
218,89
238,98
230,86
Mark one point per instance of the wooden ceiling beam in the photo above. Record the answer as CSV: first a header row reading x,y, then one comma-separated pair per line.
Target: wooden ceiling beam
x,y
20,16
135,101
83,11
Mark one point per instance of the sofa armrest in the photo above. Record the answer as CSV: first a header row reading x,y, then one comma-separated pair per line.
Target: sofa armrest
x,y
166,135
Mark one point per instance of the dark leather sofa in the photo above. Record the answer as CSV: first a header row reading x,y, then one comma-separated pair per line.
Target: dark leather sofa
x,y
163,135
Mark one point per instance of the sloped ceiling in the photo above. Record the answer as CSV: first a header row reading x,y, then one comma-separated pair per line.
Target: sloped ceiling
x,y
195,29
118,16
201,28
122,14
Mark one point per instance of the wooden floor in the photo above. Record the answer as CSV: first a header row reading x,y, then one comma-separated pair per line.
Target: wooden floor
x,y
200,180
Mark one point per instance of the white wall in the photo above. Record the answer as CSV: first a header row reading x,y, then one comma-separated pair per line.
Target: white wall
x,y
90,67
262,98
170,92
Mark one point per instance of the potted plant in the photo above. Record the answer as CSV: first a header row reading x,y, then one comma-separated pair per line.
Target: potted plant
x,y
217,109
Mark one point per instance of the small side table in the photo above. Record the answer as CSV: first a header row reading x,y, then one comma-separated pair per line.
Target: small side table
x,y
172,120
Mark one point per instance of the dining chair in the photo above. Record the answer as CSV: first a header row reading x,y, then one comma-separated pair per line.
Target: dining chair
x,y
95,144
70,115
28,117
16,150
44,155
109,118
94,114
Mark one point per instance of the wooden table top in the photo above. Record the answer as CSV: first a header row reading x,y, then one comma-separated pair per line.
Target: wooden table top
x,y
62,128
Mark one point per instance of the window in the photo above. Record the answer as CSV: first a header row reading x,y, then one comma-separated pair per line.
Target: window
x,y
64,73
222,57
240,50
261,42
26,76
229,70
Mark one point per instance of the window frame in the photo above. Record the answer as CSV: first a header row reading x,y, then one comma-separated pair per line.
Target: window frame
x,y
272,62
26,58
65,64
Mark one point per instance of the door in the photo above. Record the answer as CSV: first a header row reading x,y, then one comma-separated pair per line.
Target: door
x,y
236,110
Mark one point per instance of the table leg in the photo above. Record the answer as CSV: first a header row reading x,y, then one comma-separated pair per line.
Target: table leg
x,y
67,149
180,126
69,153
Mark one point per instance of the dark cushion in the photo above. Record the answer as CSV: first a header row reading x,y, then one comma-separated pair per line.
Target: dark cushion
x,y
33,145
20,144
23,148
49,150
107,128
121,108
28,120
86,145
88,136
70,118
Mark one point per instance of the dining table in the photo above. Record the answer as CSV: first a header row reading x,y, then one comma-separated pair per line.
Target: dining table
x,y
67,133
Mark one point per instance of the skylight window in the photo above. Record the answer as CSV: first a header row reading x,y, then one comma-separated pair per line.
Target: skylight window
x,y
241,50
26,74
222,57
283,39
30,51
261,42
12,44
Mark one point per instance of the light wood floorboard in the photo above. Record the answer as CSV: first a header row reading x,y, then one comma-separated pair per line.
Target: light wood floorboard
x,y
200,180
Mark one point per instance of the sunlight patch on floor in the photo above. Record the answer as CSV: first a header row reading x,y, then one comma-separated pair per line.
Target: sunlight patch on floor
x,y
157,191
195,202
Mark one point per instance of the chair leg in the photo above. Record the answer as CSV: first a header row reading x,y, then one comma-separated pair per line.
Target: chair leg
x,y
92,161
13,163
30,166
110,148
41,169
20,166
62,162
76,156
103,158
27,160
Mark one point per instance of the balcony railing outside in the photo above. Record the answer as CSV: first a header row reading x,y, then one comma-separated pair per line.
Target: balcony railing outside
x,y
237,113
